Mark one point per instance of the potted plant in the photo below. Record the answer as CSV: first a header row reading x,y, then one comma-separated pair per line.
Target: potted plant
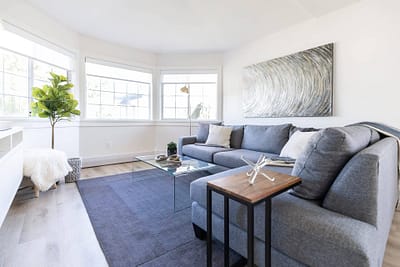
x,y
54,101
171,148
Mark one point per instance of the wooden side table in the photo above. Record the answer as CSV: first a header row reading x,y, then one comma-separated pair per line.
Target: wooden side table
x,y
237,187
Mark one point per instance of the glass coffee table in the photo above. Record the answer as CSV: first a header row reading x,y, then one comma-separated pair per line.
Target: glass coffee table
x,y
187,166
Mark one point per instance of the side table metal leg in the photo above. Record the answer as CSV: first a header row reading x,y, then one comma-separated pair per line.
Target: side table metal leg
x,y
268,232
226,231
209,227
250,235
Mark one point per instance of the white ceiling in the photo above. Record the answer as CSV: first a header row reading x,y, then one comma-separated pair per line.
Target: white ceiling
x,y
183,25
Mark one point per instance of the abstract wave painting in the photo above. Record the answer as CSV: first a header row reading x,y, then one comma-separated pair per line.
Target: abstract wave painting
x,y
297,85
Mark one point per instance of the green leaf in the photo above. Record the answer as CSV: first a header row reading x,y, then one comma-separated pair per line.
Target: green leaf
x,y
55,101
43,115
76,112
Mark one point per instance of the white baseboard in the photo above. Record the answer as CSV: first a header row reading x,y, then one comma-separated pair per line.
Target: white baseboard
x,y
112,159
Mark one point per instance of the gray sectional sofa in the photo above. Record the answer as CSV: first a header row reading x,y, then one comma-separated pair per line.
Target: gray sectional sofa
x,y
339,216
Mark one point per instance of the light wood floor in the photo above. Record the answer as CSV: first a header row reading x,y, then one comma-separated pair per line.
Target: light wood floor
x,y
55,230
113,169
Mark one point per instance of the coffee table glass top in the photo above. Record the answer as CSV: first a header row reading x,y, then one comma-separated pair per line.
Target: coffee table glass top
x,y
187,165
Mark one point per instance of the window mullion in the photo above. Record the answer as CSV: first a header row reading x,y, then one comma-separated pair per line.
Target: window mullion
x,y
176,106
30,82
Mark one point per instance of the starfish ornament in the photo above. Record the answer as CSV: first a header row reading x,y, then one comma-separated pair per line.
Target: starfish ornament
x,y
256,168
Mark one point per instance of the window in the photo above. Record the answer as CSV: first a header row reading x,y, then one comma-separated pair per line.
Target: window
x,y
24,64
117,93
201,97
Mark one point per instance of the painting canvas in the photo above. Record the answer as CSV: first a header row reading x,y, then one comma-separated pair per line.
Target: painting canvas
x,y
297,85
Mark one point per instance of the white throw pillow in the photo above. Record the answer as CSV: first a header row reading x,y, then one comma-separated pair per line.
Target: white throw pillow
x,y
296,144
219,136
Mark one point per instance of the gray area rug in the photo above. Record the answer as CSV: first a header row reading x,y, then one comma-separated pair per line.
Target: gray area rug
x,y
134,221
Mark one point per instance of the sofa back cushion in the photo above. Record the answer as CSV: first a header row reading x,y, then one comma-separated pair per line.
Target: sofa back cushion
x,y
236,135
266,138
368,178
325,156
202,133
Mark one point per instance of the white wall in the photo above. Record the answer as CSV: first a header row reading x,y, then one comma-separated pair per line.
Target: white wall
x,y
102,143
176,60
366,63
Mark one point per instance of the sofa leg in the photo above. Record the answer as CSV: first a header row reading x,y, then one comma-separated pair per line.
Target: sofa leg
x,y
199,233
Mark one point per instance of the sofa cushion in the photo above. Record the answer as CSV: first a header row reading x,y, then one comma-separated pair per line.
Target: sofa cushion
x,y
296,144
325,156
266,138
375,135
231,159
202,133
236,135
219,136
202,152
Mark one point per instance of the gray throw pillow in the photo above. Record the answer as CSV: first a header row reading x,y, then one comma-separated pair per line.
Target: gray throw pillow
x,y
202,133
266,138
236,135
325,156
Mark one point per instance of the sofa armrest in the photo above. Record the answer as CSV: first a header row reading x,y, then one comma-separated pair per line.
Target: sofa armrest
x,y
317,236
367,189
185,140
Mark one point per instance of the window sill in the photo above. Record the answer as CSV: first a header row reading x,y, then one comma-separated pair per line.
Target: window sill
x,y
186,121
115,121
35,122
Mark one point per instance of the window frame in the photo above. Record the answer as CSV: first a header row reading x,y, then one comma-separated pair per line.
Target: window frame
x,y
31,59
107,63
193,70
30,81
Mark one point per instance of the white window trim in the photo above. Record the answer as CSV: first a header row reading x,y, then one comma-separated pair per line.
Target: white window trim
x,y
190,70
111,63
38,39
108,63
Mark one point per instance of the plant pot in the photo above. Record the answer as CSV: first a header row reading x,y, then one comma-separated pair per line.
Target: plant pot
x,y
76,164
171,151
